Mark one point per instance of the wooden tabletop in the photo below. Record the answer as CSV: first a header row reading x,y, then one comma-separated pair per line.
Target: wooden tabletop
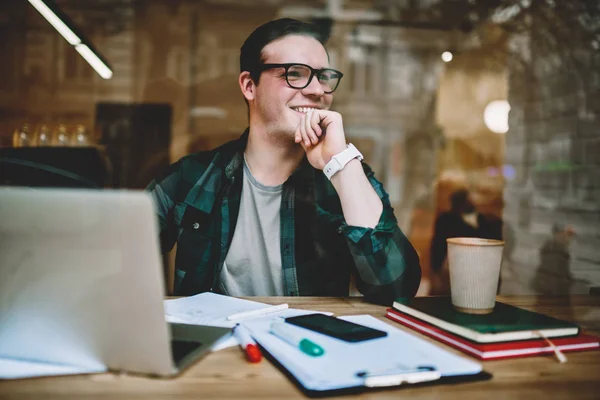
x,y
226,375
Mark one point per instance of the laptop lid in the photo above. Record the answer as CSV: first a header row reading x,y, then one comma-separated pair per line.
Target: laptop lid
x,y
81,280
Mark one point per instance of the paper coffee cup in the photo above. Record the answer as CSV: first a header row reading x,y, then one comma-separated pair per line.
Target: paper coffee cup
x,y
474,265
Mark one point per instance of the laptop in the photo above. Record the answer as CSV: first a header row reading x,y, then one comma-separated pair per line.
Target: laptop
x,y
81,284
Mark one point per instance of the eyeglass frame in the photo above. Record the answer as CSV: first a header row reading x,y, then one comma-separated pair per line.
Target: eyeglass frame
x,y
313,72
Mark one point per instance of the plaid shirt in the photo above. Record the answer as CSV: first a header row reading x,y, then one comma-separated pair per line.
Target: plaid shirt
x,y
198,203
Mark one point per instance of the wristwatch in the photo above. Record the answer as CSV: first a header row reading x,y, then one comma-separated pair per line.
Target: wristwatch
x,y
339,161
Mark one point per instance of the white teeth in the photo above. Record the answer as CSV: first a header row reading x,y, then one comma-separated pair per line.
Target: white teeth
x,y
304,109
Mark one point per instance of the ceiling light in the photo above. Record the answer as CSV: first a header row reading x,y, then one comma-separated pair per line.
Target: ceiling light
x,y
56,22
447,56
95,61
495,116
61,23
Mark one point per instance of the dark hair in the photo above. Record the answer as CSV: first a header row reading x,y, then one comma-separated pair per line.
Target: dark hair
x,y
458,199
251,56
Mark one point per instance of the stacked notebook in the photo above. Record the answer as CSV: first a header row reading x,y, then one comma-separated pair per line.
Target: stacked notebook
x,y
505,333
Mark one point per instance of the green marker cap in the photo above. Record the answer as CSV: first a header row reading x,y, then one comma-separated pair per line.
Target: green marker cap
x,y
311,348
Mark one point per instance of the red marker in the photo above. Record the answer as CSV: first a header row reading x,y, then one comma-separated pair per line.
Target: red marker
x,y
247,344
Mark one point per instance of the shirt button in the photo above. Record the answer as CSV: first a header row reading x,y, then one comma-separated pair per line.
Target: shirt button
x,y
196,225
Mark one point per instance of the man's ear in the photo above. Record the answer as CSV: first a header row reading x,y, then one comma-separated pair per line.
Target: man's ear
x,y
247,85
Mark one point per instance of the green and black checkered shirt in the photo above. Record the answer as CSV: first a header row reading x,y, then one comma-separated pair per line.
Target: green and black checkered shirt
x,y
198,203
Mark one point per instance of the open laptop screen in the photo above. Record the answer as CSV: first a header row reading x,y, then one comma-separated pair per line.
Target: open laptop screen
x,y
81,281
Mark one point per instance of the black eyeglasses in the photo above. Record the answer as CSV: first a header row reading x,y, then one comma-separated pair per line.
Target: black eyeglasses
x,y
299,76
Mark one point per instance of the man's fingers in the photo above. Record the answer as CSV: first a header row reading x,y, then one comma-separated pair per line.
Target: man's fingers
x,y
302,129
309,129
298,134
312,136
306,123
314,123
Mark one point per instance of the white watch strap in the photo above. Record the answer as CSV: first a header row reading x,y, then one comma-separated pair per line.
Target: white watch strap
x,y
339,161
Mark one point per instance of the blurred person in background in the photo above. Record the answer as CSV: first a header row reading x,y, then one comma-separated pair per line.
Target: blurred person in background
x,y
463,220
288,209
553,275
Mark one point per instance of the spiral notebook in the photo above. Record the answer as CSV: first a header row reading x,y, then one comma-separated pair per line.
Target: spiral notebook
x,y
399,358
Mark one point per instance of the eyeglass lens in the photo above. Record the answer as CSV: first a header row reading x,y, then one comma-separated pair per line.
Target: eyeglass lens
x,y
298,76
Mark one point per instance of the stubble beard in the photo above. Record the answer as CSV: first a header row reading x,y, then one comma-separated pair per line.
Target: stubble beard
x,y
282,134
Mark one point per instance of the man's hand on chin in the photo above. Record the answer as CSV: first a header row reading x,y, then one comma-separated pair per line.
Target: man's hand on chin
x,y
321,134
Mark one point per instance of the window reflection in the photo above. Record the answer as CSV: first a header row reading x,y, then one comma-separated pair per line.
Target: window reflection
x,y
423,117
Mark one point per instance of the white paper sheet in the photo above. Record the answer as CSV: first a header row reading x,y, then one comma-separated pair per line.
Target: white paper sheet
x,y
230,340
213,309
338,367
208,309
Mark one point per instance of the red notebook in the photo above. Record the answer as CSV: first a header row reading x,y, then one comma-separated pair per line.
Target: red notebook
x,y
496,351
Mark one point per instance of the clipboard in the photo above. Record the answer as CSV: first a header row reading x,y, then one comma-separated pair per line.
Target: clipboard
x,y
399,359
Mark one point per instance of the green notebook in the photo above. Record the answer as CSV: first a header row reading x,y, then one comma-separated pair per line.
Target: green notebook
x,y
506,323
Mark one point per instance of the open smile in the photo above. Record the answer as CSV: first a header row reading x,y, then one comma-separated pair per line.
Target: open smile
x,y
304,110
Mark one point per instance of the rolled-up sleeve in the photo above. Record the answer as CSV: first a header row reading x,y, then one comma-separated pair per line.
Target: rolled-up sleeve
x,y
387,264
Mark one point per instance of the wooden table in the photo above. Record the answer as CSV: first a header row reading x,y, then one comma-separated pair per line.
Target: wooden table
x,y
226,375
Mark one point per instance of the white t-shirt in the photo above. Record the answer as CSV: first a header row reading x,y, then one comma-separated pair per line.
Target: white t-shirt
x,y
253,263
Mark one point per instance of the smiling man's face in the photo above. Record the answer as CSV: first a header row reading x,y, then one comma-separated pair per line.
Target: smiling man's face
x,y
277,107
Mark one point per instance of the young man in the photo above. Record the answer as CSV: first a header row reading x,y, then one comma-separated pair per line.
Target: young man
x,y
288,209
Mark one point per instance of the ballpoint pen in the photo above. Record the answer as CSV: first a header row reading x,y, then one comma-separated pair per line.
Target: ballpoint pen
x,y
247,344
290,335
257,313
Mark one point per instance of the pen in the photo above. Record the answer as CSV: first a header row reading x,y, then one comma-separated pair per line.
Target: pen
x,y
290,335
257,313
247,344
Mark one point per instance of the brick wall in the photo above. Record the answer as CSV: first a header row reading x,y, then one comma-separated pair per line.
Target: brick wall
x,y
554,145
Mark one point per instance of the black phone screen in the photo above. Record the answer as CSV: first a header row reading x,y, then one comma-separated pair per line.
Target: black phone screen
x,y
335,327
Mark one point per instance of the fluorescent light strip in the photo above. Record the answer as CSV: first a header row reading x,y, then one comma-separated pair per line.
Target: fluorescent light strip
x,y
66,32
96,63
56,22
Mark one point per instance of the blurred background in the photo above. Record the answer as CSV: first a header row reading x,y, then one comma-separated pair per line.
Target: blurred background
x,y
480,117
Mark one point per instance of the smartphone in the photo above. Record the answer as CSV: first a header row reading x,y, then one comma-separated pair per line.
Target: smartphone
x,y
335,327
